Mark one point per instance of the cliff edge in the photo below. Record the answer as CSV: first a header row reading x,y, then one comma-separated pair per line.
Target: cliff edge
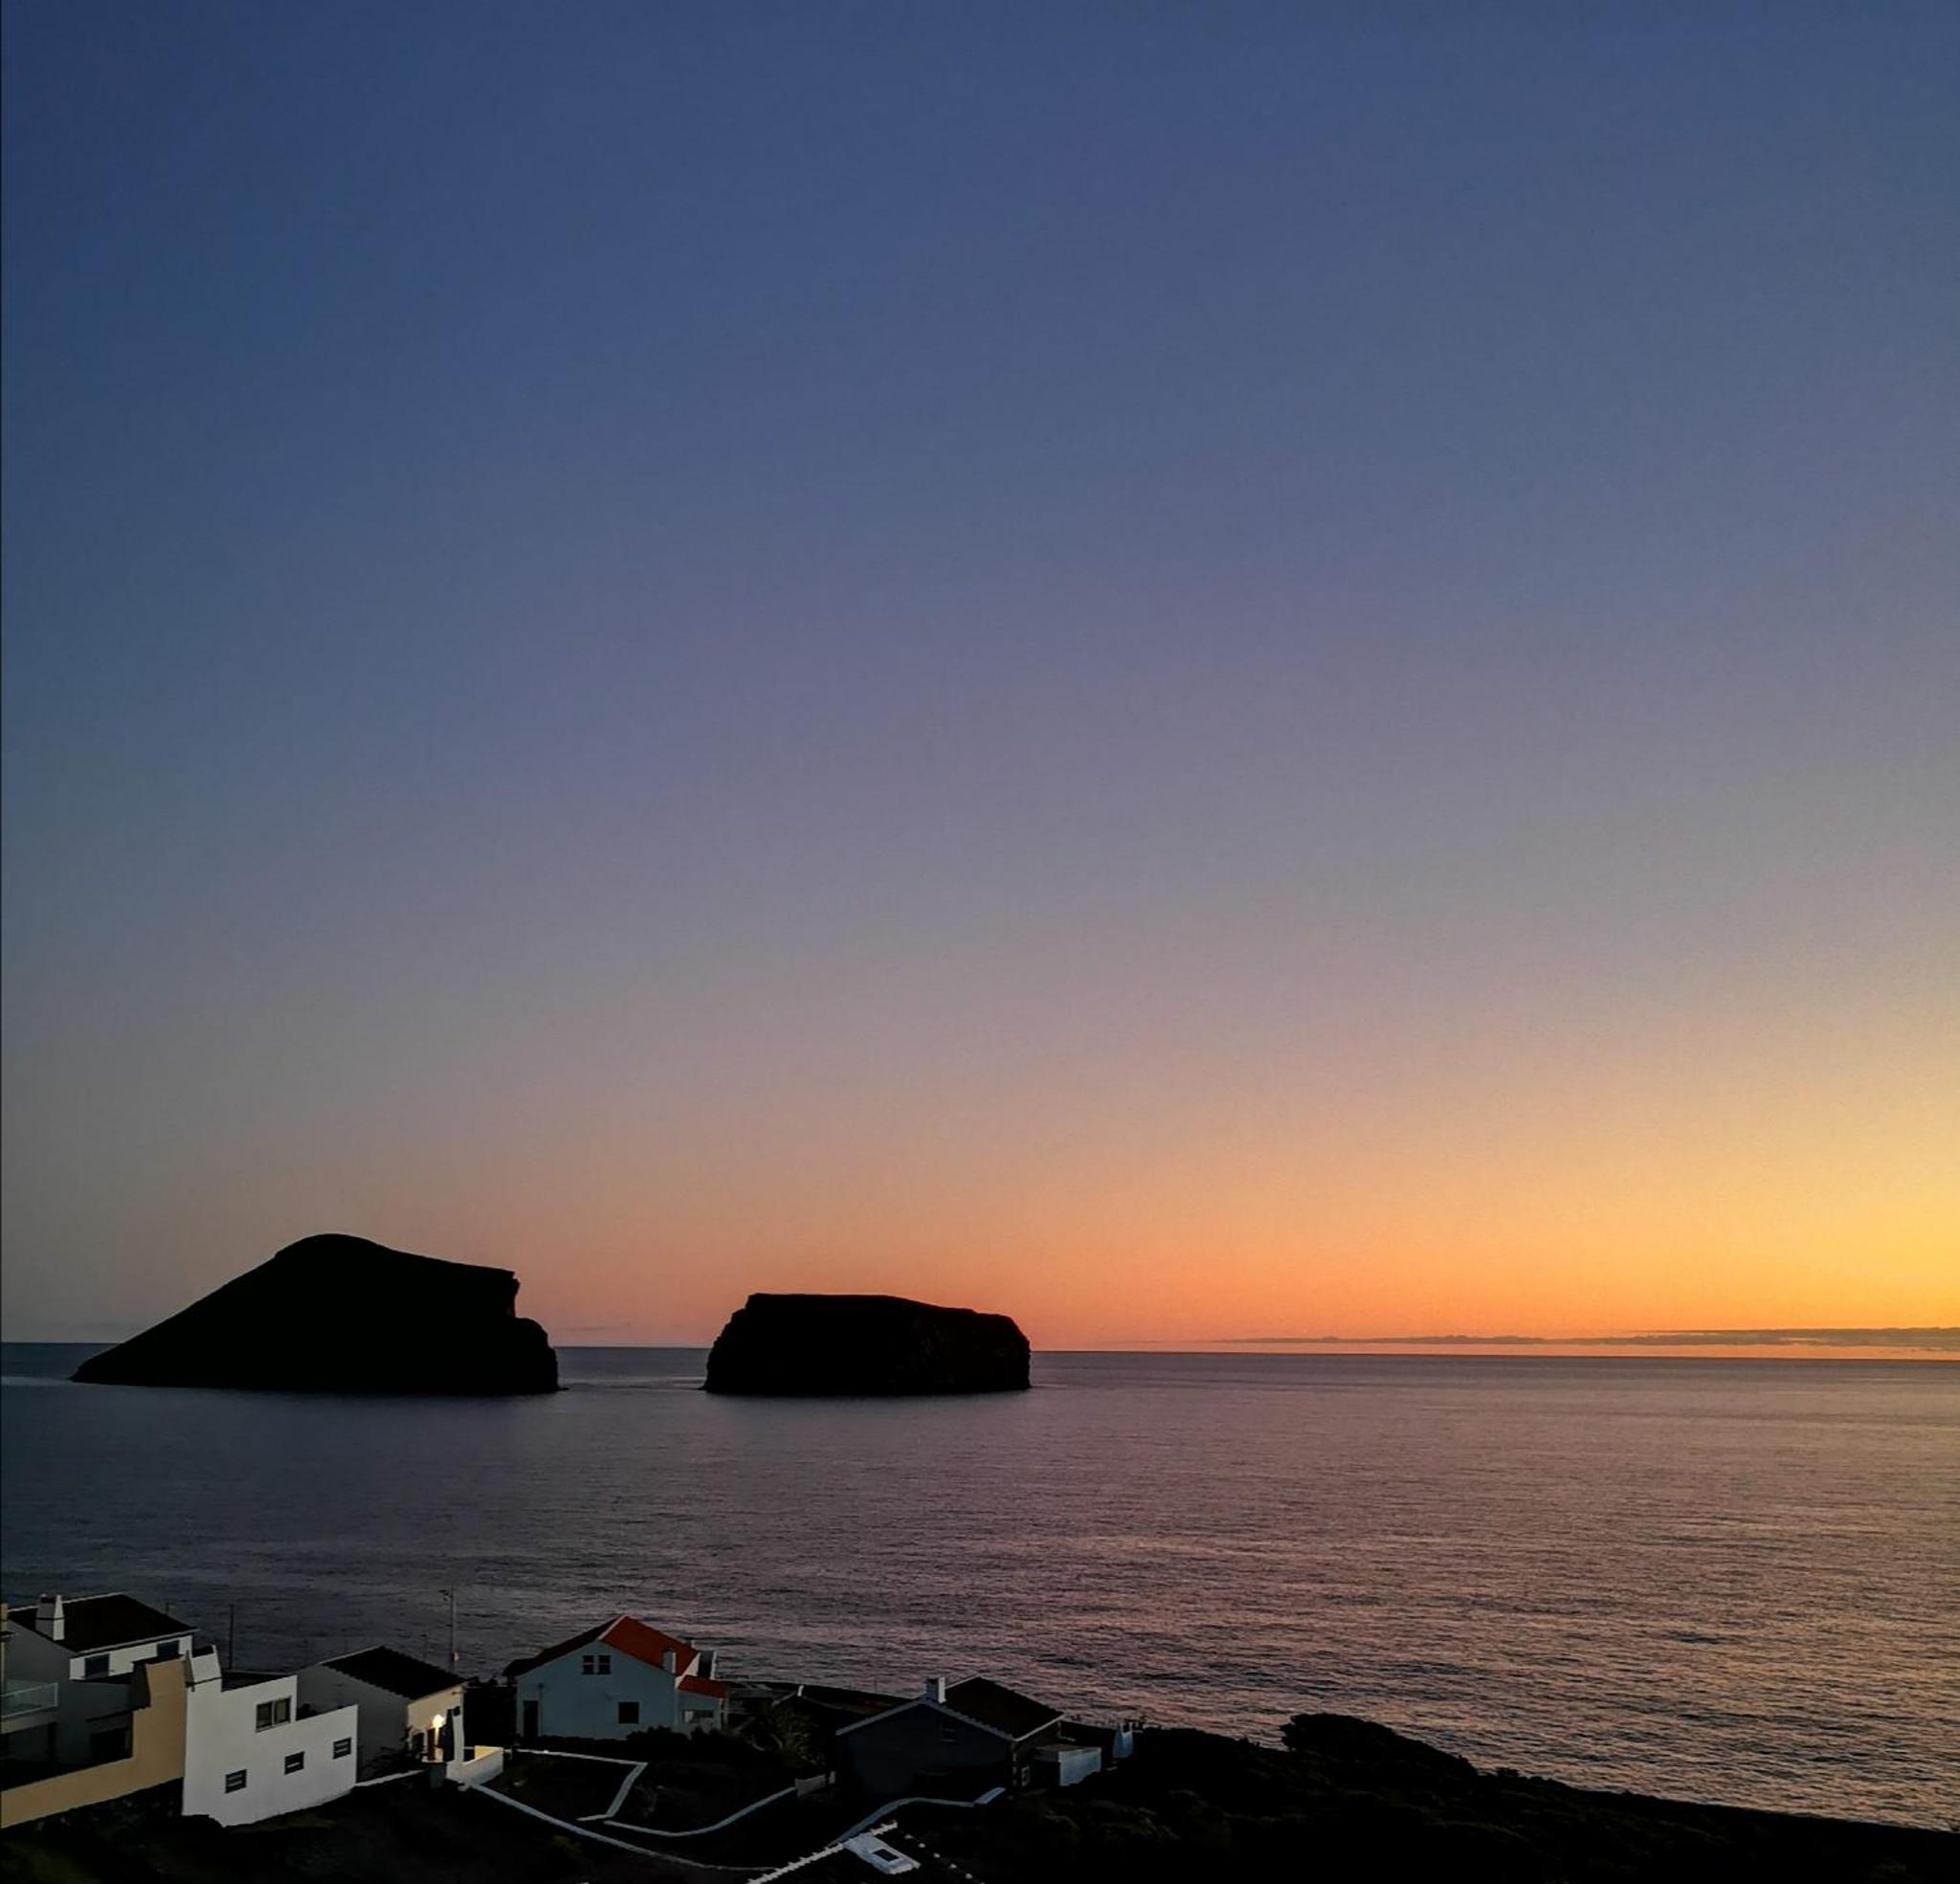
x,y
342,1315
838,1345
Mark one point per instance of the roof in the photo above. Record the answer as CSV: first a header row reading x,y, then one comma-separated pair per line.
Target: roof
x,y
700,1684
630,1636
389,1669
982,1702
1000,1708
103,1622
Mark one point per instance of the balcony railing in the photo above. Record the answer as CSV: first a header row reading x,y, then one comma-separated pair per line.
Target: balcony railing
x,y
25,1697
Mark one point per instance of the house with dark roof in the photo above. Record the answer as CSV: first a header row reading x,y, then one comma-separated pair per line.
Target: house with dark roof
x,y
84,1648
947,1743
614,1680
408,1708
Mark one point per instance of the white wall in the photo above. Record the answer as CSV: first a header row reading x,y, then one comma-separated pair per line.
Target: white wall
x,y
123,1660
586,1706
221,1735
387,1719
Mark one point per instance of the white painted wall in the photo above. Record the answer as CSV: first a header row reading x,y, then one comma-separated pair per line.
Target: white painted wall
x,y
586,1706
387,1719
479,1771
1070,1764
221,1735
122,1660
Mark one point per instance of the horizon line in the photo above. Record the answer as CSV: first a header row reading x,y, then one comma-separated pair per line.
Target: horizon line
x,y
1936,1339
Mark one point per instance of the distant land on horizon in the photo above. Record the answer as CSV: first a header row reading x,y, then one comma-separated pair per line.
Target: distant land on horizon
x,y
1936,1340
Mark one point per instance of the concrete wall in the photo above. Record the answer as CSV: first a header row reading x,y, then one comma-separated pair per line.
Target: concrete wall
x,y
479,1770
922,1749
157,1731
387,1719
1067,1765
222,1736
586,1706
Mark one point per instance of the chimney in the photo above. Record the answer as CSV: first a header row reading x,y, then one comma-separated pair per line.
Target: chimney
x,y
935,1688
668,1661
50,1620
707,1663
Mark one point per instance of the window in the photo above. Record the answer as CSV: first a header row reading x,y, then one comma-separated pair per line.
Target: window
x,y
235,1781
586,1663
343,1748
628,1714
947,1735
166,1650
93,1666
273,1713
605,1664
296,1763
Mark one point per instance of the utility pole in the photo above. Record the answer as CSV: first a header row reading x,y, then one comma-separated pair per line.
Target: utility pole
x,y
450,1594
231,1636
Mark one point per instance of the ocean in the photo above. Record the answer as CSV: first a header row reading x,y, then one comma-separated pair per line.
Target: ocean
x,y
1728,1581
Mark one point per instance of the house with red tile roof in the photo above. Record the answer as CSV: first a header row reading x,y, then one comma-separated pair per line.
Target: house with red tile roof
x,y
608,1682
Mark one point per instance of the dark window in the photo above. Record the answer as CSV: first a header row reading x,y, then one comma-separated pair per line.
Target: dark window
x,y
586,1664
948,1735
166,1650
273,1713
605,1664
341,1748
628,1714
93,1666
295,1762
235,1781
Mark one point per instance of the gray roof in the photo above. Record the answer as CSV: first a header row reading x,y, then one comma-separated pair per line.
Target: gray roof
x,y
398,1673
93,1622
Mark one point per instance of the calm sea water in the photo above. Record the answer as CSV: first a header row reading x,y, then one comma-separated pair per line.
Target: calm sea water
x,y
1734,1581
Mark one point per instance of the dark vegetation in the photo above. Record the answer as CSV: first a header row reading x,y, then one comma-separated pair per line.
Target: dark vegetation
x,y
432,1836
1341,1799
1351,1798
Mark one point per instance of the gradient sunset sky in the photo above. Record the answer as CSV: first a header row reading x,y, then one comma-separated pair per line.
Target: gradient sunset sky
x,y
1187,669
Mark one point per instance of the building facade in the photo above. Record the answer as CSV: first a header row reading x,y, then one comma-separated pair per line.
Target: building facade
x,y
615,1680
951,1743
408,1708
251,1751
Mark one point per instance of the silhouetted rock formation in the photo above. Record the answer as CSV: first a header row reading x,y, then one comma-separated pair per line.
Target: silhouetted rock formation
x,y
864,1344
342,1315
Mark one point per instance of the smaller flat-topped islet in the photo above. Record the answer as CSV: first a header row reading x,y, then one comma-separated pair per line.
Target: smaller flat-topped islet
x,y
879,1346
342,1315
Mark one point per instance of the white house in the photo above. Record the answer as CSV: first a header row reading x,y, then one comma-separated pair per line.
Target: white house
x,y
252,1751
85,1647
244,1745
614,1680
408,1706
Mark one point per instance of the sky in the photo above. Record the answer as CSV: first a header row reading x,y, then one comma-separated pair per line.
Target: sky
x,y
1192,670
